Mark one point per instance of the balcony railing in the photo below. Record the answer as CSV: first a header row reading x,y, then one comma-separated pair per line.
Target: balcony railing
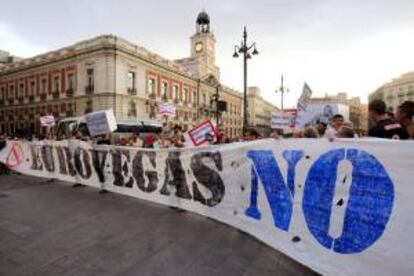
x,y
56,95
89,89
69,93
21,100
43,96
132,91
31,99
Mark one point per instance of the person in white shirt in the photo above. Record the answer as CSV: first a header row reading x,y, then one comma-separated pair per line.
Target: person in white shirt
x,y
337,123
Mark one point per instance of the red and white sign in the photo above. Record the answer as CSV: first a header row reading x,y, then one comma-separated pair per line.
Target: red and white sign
x,y
198,134
15,156
167,109
47,121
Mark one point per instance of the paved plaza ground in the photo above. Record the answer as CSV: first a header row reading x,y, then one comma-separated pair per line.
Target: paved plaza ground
x,y
54,229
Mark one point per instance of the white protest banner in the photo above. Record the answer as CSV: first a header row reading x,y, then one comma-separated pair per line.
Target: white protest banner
x,y
167,109
47,121
282,120
101,122
303,102
321,113
198,133
340,208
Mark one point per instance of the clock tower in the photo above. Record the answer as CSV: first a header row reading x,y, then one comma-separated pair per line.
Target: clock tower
x,y
203,49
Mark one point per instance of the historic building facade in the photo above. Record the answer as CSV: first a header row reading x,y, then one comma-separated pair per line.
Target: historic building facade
x,y
396,91
259,111
109,72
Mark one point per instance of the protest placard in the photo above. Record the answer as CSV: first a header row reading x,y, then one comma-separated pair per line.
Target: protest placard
x,y
167,109
101,122
47,121
282,120
198,133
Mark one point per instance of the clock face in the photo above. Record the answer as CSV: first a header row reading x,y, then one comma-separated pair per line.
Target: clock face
x,y
199,47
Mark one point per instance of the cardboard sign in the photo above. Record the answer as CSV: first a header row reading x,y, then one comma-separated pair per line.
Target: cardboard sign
x,y
167,109
47,121
198,134
101,122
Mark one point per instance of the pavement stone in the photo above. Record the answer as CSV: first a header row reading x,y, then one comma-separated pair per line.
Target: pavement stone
x,y
54,229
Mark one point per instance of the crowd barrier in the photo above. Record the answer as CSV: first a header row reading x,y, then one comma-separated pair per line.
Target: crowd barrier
x,y
342,207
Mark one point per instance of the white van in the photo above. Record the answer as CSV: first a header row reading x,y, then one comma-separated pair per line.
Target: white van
x,y
67,127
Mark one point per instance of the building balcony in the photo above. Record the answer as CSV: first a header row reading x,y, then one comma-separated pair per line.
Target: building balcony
x,y
89,89
69,93
21,100
43,97
56,95
132,91
31,99
132,113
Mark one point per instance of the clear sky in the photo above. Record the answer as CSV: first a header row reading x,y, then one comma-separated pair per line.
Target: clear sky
x,y
333,45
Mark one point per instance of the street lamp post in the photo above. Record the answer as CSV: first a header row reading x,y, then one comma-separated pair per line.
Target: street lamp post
x,y
282,90
244,49
217,99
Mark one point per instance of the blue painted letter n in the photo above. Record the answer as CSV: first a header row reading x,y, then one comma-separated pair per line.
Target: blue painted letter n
x,y
279,193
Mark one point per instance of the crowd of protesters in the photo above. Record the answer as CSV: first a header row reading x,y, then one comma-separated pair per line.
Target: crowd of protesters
x,y
386,125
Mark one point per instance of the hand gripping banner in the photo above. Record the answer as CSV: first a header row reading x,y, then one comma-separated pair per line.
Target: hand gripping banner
x,y
340,208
